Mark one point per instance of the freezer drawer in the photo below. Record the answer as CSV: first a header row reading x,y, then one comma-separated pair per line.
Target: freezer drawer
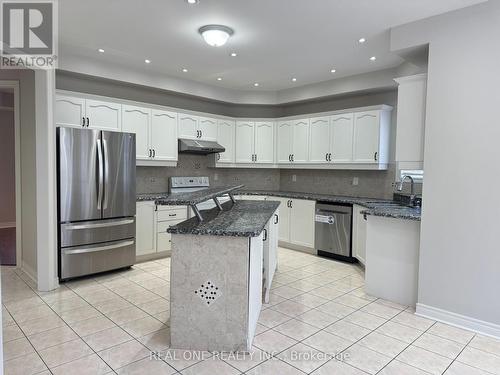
x,y
85,260
90,232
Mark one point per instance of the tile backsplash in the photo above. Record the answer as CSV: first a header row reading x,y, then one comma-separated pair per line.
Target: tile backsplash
x,y
371,184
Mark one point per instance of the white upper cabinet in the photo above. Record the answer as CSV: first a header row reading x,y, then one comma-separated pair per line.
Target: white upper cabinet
x,y
188,126
264,142
225,137
137,120
208,128
163,135
245,142
366,136
70,111
342,131
319,142
194,127
284,141
412,94
103,115
300,151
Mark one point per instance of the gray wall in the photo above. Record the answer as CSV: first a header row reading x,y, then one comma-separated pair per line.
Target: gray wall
x,y
155,179
459,251
7,167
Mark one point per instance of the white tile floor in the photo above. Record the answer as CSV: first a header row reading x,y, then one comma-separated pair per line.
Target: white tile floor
x,y
319,321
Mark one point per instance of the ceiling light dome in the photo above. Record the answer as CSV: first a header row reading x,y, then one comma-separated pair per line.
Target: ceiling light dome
x,y
215,35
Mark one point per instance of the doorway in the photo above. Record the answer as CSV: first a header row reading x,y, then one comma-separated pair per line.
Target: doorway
x,y
10,225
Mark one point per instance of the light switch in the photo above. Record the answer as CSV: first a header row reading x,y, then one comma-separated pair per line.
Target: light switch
x,y
294,178
355,181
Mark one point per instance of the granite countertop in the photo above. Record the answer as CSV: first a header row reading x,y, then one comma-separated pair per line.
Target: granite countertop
x,y
394,211
375,207
191,198
240,219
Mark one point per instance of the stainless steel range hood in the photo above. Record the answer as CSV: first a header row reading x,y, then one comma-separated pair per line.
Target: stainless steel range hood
x,y
194,146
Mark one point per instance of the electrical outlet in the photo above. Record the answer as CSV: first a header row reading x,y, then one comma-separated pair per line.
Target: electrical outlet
x,y
355,181
216,176
152,179
294,178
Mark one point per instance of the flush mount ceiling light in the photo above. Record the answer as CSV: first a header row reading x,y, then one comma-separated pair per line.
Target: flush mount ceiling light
x,y
192,2
100,50
256,84
361,40
234,54
373,58
294,79
215,35
184,70
219,78
147,61
333,71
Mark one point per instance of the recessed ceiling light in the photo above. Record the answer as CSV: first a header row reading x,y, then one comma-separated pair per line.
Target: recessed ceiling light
x,y
333,70
192,2
219,78
100,50
362,40
234,54
294,79
147,61
215,35
373,58
256,84
184,70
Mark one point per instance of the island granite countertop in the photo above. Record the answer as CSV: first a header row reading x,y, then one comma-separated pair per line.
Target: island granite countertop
x,y
240,219
188,198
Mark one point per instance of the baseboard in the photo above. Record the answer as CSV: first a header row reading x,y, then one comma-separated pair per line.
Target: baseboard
x,y
8,224
291,246
154,256
29,272
457,320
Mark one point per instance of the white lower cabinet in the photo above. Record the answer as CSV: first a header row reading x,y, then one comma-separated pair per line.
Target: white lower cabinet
x,y
359,234
270,253
145,228
296,224
152,223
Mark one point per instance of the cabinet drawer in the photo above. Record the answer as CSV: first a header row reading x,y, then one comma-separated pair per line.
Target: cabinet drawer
x,y
178,214
169,208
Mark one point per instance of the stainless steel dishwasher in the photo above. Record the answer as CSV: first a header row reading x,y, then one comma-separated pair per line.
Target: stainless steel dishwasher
x,y
333,228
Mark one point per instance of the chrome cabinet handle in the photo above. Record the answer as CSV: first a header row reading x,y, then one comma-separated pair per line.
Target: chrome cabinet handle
x,y
277,219
88,122
326,156
154,153
83,121
291,205
265,235
172,215
375,156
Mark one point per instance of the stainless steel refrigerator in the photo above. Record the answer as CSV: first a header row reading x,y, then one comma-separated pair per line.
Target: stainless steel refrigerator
x,y
96,201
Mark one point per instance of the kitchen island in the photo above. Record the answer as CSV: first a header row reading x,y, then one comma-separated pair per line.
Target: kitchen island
x,y
216,280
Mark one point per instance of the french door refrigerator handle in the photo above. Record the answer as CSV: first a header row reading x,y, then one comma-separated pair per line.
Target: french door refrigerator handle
x,y
106,174
100,168
100,248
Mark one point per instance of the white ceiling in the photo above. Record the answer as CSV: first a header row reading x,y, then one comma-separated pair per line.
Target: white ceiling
x,y
275,39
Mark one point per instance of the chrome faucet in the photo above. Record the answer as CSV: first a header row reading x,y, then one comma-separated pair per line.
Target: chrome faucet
x,y
400,185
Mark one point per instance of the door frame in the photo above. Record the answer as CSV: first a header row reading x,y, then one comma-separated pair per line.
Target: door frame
x,y
17,140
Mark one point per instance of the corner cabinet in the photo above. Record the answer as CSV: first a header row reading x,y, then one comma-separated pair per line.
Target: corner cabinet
x,y
371,137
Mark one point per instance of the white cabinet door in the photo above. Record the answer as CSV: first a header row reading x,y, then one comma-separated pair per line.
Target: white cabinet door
x,y
264,142
164,135
342,131
284,219
70,111
225,137
136,120
245,142
366,136
302,222
145,221
285,139
208,128
300,151
188,126
359,234
103,115
319,142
